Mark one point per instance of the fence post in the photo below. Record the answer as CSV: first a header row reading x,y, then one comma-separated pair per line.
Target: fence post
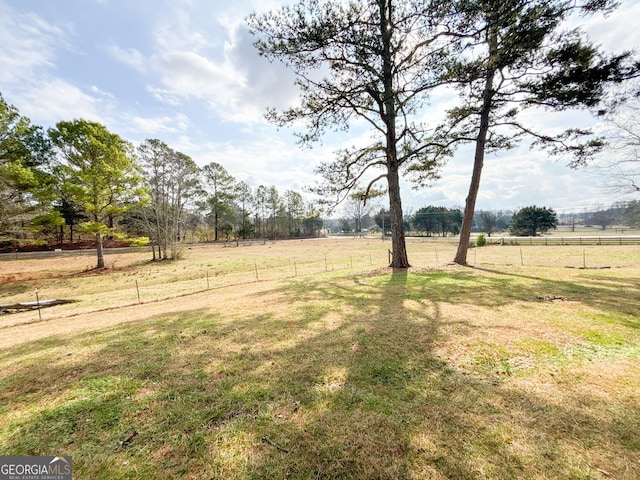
x,y
521,259
138,292
326,267
256,265
295,269
38,303
207,279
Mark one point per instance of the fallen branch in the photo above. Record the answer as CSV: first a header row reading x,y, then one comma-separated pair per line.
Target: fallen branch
x,y
274,444
26,306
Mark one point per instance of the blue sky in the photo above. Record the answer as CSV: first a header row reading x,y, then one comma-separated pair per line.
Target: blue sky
x,y
185,71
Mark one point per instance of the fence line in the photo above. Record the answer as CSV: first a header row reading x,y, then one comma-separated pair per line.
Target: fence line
x,y
138,293
571,240
251,270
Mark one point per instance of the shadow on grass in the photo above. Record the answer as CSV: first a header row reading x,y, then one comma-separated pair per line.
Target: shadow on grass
x,y
344,384
607,293
10,289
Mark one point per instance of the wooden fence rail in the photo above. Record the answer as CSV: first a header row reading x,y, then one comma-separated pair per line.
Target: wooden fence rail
x,y
553,240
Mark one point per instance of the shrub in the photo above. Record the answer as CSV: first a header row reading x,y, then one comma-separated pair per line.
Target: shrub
x,y
481,240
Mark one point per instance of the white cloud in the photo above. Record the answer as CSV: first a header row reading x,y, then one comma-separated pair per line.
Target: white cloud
x,y
56,99
164,95
154,126
178,30
131,57
618,31
27,45
192,75
201,56
29,49
95,89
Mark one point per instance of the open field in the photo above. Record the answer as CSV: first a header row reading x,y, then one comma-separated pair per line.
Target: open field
x,y
328,365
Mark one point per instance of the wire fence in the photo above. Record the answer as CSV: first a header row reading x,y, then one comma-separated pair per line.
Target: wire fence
x,y
143,290
570,252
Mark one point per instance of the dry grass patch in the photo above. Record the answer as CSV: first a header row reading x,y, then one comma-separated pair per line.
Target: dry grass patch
x,y
433,373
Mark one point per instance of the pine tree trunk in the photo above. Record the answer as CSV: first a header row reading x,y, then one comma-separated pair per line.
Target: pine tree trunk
x,y
478,161
99,251
399,257
215,226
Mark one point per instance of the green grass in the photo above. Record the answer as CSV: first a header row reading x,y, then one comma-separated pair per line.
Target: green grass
x,y
459,373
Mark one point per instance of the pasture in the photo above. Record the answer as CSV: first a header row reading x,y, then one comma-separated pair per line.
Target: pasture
x,y
310,359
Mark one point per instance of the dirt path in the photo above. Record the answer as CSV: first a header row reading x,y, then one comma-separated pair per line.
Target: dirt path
x,y
13,336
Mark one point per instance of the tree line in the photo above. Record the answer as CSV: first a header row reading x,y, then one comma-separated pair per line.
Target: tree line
x,y
528,221
80,178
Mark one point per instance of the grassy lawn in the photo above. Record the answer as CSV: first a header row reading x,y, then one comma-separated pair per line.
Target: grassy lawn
x,y
347,370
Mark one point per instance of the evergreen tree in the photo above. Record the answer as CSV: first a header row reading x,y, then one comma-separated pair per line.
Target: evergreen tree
x,y
530,221
515,55
366,60
100,174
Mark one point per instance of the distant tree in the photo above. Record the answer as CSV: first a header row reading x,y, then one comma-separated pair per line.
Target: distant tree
x,y
488,220
260,199
619,163
530,221
504,219
72,212
100,171
220,187
312,223
226,230
274,204
603,217
514,55
295,210
172,179
48,226
451,221
196,225
571,220
245,228
360,60
25,154
359,205
631,216
345,225
383,220
424,220
441,220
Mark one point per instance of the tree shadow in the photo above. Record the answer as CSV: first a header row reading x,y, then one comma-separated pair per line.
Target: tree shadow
x,y
608,293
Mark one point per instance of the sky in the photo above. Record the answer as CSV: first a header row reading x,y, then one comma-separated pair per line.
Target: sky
x,y
186,72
